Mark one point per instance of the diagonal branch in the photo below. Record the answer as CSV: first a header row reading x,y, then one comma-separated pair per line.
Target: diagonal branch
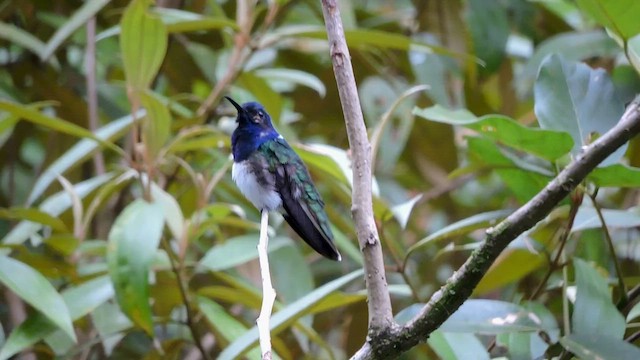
x,y
460,286
380,315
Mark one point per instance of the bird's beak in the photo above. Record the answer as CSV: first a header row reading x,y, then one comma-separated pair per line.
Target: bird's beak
x,y
235,104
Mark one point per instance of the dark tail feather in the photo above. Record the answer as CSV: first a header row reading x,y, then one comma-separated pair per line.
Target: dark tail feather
x,y
312,236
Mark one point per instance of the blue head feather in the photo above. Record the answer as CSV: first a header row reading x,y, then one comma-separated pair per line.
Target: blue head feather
x,y
254,129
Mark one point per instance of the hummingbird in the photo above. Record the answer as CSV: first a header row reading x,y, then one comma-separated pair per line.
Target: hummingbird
x,y
272,177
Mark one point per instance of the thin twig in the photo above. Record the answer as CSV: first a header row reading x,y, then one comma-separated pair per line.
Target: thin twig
x,y
268,293
92,90
612,249
177,270
379,302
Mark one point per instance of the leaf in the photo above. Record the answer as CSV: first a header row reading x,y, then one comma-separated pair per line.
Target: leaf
x,y
78,153
572,46
156,124
54,206
22,38
224,324
489,30
293,76
133,241
34,288
236,251
572,97
619,16
547,144
54,123
593,347
285,316
594,314
143,42
617,175
171,210
402,211
633,51
464,226
110,323
511,265
80,300
587,218
34,215
79,18
453,346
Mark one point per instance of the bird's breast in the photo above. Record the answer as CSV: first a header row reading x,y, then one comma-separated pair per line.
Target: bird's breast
x,y
256,184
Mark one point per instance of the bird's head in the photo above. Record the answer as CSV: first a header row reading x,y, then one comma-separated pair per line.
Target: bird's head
x,y
252,114
254,128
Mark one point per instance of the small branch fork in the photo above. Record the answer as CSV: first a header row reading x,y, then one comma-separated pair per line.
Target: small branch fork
x,y
268,293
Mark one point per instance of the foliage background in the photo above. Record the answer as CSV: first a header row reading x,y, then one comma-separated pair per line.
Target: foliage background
x,y
91,270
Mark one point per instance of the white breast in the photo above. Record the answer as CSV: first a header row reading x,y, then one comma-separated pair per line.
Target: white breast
x,y
262,197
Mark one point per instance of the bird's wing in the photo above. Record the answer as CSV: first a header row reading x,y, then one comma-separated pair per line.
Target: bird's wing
x,y
303,206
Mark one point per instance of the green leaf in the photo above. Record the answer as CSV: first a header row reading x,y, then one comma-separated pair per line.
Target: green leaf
x,y
575,98
133,241
587,218
547,144
236,251
224,324
489,28
402,211
27,113
617,175
34,288
454,346
619,16
287,315
34,215
594,314
633,51
110,323
572,46
80,300
593,347
464,226
512,265
54,206
22,38
295,77
79,18
156,126
78,153
171,209
143,42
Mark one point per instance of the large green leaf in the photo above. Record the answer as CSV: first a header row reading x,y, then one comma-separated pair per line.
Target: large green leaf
x,y
594,314
156,126
34,288
593,347
547,144
34,215
54,205
489,28
237,250
617,175
78,153
133,241
26,112
285,316
464,226
143,42
79,18
575,98
620,16
454,346
80,301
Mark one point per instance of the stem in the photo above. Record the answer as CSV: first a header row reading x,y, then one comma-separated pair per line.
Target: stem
x,y
177,270
268,293
612,250
379,302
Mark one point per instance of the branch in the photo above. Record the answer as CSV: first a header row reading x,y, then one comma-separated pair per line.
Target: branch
x,y
460,286
379,303
268,294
